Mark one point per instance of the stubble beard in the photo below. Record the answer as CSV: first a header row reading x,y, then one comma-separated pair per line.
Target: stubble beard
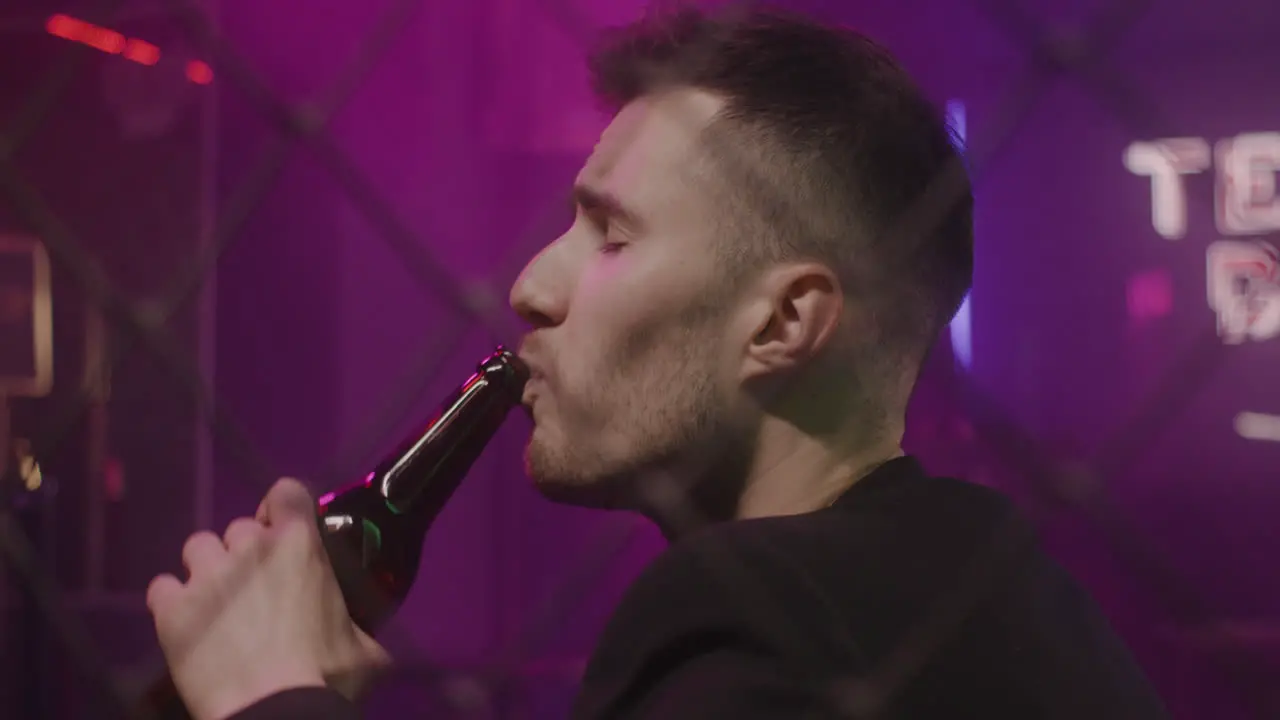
x,y
633,428
655,417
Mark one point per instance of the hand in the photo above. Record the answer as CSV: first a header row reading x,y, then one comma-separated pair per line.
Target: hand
x,y
260,612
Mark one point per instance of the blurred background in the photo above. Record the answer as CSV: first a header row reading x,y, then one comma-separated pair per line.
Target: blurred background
x,y
240,240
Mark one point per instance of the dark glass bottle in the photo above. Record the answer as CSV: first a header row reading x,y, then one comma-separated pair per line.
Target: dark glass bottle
x,y
374,530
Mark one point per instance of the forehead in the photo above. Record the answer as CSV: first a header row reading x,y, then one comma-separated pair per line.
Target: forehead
x,y
651,148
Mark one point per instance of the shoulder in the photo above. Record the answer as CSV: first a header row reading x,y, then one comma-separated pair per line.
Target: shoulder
x,y
917,529
942,570
822,587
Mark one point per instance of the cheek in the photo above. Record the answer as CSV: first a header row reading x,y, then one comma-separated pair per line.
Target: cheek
x,y
611,313
606,378
632,292
634,316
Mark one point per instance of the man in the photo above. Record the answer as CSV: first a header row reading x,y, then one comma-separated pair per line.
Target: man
x,y
769,237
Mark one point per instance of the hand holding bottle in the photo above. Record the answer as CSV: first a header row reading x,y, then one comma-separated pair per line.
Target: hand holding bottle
x,y
245,626
261,612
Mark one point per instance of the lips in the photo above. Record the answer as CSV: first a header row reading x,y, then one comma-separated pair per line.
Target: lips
x,y
531,386
536,377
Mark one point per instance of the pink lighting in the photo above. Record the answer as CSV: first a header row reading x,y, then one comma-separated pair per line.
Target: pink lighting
x,y
1149,295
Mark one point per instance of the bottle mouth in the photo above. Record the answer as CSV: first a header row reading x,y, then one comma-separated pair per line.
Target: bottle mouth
x,y
513,372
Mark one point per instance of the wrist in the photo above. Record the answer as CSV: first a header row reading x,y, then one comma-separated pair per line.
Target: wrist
x,y
231,698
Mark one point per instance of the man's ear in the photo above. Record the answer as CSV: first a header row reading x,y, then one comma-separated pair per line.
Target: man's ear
x,y
797,315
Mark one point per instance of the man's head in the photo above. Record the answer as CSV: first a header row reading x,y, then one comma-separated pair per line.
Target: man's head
x,y
773,229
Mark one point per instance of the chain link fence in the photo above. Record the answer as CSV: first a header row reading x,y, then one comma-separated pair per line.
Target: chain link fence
x,y
1079,55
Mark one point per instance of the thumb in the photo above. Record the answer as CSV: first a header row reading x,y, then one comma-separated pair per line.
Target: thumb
x,y
373,650
287,500
370,661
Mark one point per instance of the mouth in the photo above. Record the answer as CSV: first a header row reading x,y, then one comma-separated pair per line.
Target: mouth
x,y
531,390
533,384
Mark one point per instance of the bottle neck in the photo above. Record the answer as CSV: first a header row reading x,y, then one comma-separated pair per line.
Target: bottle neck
x,y
423,473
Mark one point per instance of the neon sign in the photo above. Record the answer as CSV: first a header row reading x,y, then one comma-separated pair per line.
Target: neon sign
x,y
1258,426
1242,276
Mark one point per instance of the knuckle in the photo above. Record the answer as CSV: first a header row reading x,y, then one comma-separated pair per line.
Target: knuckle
x,y
197,541
243,533
298,534
241,522
242,525
162,596
287,487
157,587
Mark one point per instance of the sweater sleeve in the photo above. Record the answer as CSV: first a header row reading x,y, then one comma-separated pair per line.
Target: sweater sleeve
x,y
312,703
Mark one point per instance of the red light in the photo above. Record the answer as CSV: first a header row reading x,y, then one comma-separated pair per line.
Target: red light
x,y
113,478
111,42
199,72
61,26
141,51
108,41
69,28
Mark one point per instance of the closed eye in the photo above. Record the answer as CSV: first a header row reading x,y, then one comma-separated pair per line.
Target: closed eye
x,y
605,209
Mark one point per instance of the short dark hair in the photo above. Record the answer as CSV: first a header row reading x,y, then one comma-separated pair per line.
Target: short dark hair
x,y
828,151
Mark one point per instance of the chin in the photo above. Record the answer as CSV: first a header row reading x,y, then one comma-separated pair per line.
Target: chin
x,y
561,483
598,495
577,495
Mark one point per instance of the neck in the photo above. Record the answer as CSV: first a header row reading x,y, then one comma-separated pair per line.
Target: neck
x,y
788,472
795,473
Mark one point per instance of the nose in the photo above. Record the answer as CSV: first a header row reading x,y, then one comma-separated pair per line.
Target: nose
x,y
540,295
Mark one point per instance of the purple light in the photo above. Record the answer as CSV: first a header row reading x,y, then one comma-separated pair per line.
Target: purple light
x,y
962,323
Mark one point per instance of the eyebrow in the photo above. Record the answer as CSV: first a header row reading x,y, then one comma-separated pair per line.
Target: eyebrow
x,y
595,200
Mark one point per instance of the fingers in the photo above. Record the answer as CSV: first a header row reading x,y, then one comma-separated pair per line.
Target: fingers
x,y
203,552
162,590
243,535
287,500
